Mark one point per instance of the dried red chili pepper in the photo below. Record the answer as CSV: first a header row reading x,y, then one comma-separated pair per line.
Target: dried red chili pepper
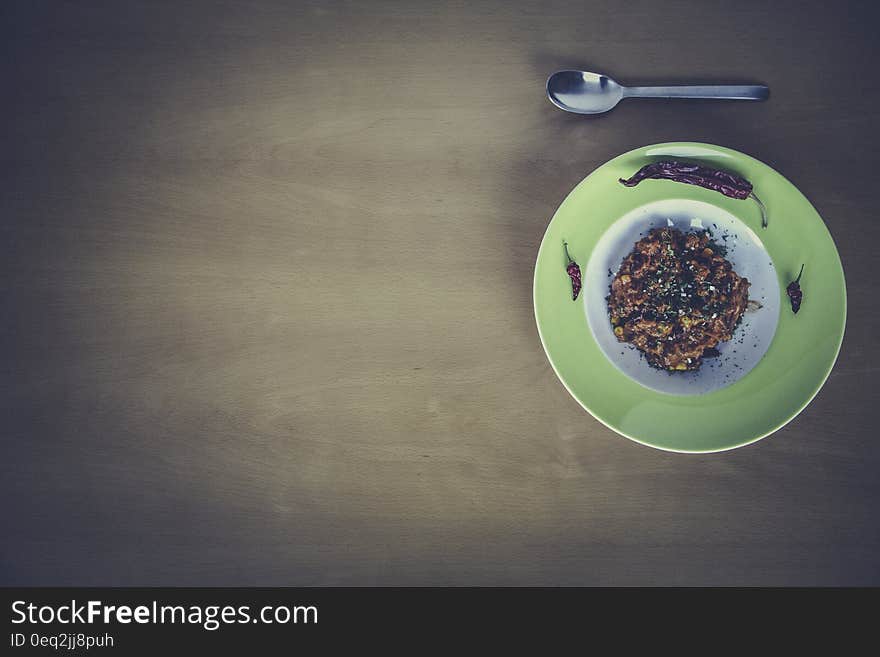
x,y
717,180
574,273
795,293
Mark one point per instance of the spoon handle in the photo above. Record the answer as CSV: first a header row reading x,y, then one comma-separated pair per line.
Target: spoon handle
x,y
723,92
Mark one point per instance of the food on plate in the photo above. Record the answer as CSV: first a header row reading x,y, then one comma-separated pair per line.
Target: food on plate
x,y
574,273
676,298
718,180
795,293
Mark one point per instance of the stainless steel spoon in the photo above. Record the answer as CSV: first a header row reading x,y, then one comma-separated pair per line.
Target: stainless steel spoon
x,y
582,92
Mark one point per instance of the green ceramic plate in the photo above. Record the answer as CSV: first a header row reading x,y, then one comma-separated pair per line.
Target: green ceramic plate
x,y
802,349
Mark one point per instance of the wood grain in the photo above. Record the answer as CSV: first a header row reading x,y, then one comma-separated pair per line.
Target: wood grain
x,y
266,272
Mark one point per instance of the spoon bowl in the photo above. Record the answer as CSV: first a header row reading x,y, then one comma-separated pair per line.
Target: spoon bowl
x,y
583,92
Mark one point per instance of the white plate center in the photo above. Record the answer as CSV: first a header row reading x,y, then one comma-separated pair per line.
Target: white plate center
x,y
749,258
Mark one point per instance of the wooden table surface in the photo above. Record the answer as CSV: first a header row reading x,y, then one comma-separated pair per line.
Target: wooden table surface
x,y
267,316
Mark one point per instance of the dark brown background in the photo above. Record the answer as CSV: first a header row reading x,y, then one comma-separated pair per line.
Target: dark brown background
x,y
266,280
